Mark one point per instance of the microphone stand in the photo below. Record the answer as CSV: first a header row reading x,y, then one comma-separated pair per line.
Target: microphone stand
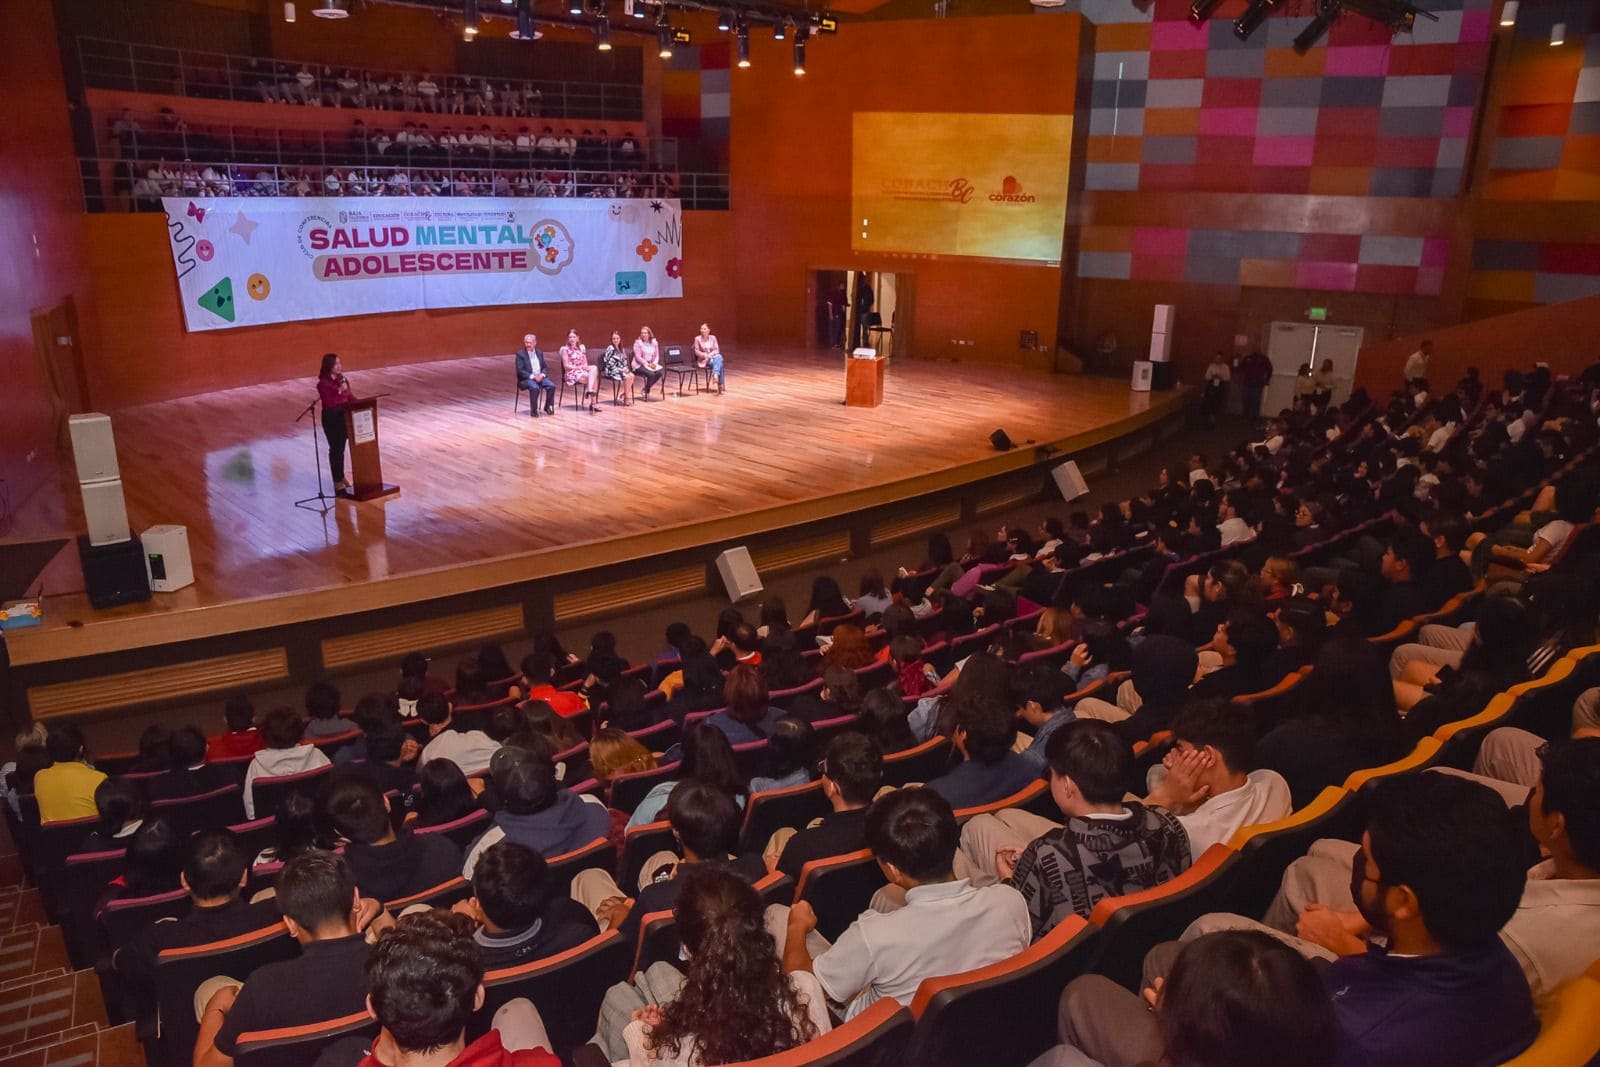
x,y
324,501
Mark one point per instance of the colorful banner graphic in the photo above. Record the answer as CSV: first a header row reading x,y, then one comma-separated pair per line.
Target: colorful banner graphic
x,y
245,262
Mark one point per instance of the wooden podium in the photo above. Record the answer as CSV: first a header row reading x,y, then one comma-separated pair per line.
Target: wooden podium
x,y
863,381
366,466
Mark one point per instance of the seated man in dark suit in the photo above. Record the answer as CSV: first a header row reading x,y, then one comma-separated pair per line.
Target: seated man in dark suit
x,y
534,376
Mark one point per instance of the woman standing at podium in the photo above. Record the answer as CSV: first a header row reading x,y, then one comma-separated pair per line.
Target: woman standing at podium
x,y
333,389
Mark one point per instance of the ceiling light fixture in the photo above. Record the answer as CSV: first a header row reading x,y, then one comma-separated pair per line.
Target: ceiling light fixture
x,y
288,10
724,20
1508,14
1327,12
602,35
780,30
331,9
1253,17
1558,35
799,51
469,19
744,46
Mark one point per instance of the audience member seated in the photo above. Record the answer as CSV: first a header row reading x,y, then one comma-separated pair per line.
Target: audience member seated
x,y
705,822
189,774
1163,669
720,922
522,914
839,695
852,773
297,828
1343,719
470,750
613,752
443,795
154,754
214,874
705,756
152,863
791,756
1208,781
65,789
1233,997
1420,976
322,710
1496,659
1105,848
990,769
1405,563
1246,643
322,911
120,804
386,865
886,720
535,811
424,980
1302,624
385,746
538,682
947,924
699,685
749,715
283,754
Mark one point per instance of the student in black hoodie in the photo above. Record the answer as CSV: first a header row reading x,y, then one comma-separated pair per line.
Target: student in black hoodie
x,y
521,912
386,866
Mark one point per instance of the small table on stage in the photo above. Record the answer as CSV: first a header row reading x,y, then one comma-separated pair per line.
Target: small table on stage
x,y
863,380
366,466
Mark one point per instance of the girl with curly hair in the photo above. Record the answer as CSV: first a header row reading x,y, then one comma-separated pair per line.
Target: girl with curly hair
x,y
736,1003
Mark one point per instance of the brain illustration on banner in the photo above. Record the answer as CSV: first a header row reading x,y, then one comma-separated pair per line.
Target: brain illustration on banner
x,y
219,299
553,244
295,259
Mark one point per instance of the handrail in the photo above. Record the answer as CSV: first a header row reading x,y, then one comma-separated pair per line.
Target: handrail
x,y
126,65
117,184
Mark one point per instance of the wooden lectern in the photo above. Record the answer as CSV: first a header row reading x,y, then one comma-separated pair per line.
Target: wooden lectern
x,y
863,381
366,467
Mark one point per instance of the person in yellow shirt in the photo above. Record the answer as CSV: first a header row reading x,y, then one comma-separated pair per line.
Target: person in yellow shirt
x,y
65,789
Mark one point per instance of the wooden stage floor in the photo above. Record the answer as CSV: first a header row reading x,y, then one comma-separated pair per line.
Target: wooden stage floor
x,y
488,498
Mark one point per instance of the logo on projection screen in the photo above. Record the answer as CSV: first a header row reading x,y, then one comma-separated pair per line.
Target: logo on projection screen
x,y
958,189
1011,193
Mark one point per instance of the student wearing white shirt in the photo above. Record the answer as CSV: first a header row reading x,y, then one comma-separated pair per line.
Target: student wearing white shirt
x,y
469,750
427,93
946,926
1204,781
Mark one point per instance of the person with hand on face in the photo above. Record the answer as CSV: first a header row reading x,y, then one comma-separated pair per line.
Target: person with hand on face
x,y
1206,779
534,376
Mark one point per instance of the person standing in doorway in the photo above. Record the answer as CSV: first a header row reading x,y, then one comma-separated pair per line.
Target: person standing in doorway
x,y
1255,371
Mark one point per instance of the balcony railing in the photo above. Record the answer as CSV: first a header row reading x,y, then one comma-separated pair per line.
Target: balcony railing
x,y
117,184
147,68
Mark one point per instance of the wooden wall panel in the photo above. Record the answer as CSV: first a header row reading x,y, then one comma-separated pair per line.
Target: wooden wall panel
x,y
41,237
791,171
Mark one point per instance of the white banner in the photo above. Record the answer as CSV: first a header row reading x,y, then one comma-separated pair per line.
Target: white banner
x,y
248,261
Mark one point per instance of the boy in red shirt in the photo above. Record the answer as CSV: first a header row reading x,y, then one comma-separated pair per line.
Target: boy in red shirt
x,y
242,738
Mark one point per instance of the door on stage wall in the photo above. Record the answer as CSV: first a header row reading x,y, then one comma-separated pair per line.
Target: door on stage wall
x,y
1293,345
861,309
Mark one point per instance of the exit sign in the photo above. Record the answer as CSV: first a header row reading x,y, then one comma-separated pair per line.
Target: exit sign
x,y
1317,314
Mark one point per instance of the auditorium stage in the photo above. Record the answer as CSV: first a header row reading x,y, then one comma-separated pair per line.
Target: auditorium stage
x,y
489,499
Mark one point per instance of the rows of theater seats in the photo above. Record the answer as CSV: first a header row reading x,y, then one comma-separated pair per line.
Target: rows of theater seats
x,y
949,1015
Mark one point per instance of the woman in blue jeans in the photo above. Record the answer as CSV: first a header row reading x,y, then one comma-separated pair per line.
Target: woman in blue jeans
x,y
707,353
